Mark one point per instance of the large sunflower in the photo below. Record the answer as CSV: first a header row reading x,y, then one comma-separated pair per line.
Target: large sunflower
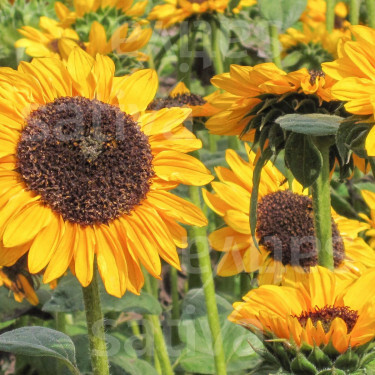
x,y
354,72
176,11
85,173
285,227
326,311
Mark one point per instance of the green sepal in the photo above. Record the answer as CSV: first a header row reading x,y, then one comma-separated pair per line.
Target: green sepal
x,y
319,358
315,124
233,4
301,366
303,158
331,351
332,371
347,361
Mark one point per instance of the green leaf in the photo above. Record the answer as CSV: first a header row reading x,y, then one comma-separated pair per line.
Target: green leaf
x,y
316,124
319,358
40,341
67,297
303,158
266,155
347,361
233,4
131,366
195,332
282,13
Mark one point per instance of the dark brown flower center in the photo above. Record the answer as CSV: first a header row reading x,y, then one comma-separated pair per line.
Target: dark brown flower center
x,y
285,227
327,314
89,161
314,74
180,100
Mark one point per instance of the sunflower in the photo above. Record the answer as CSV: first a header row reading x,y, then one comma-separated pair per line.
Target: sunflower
x,y
284,231
354,72
50,41
53,40
82,7
181,96
18,280
85,173
255,96
327,311
175,11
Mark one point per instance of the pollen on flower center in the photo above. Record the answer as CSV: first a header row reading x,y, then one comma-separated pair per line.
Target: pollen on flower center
x,y
180,100
89,161
285,227
314,74
327,314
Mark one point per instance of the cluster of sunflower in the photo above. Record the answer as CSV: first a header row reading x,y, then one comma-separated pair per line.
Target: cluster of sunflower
x,y
93,163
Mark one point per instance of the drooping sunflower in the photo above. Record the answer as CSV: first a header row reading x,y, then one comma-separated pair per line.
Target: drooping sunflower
x,y
181,96
284,231
85,173
175,11
326,313
18,280
256,96
354,72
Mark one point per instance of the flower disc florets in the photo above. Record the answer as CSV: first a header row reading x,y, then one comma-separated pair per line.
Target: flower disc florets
x,y
285,227
89,161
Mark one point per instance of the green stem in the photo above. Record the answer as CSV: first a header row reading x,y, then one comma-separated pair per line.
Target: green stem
x,y
95,327
233,142
160,346
212,142
322,208
354,11
186,54
200,237
175,304
370,5
275,45
330,15
372,164
245,283
217,57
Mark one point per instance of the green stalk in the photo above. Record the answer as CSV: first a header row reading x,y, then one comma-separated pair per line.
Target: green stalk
x,y
322,208
233,142
354,12
95,327
175,304
160,346
275,45
186,54
330,15
370,5
215,40
200,235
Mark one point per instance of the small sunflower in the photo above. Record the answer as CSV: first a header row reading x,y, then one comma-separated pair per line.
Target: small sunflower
x,y
53,40
181,96
18,280
354,72
82,7
175,11
50,41
325,312
85,172
285,227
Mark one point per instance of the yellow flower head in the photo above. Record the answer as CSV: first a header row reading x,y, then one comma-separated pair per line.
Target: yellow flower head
x,y
247,87
284,231
176,11
323,311
85,173
354,72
